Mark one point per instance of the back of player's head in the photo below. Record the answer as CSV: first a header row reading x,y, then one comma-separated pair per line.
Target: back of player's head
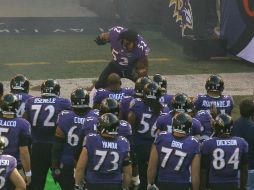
x,y
79,98
50,88
182,123
180,102
214,83
130,35
19,83
247,108
114,79
161,81
139,86
108,123
223,124
109,105
152,91
9,105
2,144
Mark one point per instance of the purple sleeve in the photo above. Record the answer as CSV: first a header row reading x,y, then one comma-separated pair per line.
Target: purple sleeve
x,y
196,127
136,107
160,124
114,33
61,119
26,128
99,96
196,146
129,92
142,47
232,103
66,104
198,102
205,148
12,165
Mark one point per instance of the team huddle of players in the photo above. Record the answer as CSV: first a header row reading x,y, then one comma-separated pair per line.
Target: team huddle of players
x,y
139,138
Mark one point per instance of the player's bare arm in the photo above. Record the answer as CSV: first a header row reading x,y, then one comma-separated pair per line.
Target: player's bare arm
x,y
195,172
25,160
81,167
142,67
127,173
17,180
152,166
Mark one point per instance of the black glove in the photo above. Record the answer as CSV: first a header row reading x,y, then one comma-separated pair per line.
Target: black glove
x,y
55,172
100,41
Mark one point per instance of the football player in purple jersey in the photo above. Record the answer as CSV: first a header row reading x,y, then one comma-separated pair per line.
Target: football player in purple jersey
x,y
223,157
162,82
16,133
8,171
104,161
19,86
42,113
110,105
172,155
130,55
138,93
181,103
214,99
112,90
67,137
143,114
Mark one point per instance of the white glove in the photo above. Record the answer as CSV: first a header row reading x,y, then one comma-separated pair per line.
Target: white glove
x,y
152,187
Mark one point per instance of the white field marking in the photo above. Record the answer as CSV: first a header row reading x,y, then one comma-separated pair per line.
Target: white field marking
x,y
87,61
27,63
106,60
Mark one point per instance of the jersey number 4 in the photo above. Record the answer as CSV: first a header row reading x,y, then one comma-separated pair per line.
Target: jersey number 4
x,y
219,161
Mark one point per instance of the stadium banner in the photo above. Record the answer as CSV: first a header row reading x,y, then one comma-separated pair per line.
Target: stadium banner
x,y
237,27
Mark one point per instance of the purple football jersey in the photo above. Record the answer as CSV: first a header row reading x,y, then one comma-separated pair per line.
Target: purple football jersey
x,y
23,97
205,118
224,104
164,123
145,129
101,94
12,130
166,99
71,125
175,157
123,58
105,158
7,165
42,114
224,156
124,106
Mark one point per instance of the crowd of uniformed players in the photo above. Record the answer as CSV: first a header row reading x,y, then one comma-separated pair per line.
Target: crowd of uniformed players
x,y
139,138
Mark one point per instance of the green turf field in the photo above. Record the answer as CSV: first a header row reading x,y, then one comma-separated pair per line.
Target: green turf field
x,y
44,56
